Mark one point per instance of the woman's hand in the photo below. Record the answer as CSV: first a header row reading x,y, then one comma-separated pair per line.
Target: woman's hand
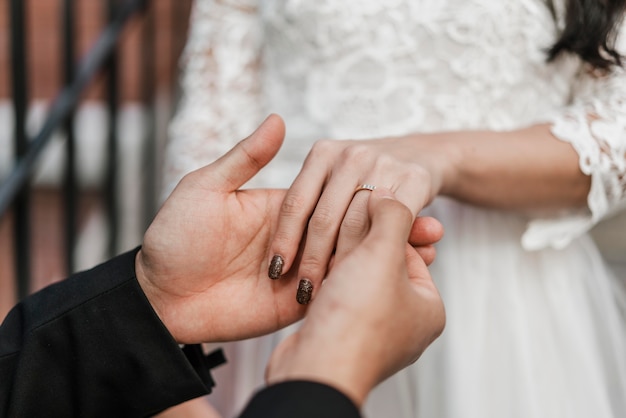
x,y
317,202
376,313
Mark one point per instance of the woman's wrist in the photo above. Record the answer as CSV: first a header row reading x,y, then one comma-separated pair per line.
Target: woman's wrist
x,y
440,154
516,170
449,157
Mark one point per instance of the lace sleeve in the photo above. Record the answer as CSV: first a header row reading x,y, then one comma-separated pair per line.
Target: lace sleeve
x,y
220,86
595,125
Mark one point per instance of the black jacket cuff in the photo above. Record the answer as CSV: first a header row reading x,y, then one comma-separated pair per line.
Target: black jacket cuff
x,y
302,399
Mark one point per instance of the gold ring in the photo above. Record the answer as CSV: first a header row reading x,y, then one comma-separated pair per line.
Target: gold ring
x,y
369,187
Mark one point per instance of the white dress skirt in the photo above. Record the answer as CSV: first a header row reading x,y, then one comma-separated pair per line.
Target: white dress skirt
x,y
536,323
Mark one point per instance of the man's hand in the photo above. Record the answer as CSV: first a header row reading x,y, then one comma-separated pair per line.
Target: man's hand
x,y
203,264
376,313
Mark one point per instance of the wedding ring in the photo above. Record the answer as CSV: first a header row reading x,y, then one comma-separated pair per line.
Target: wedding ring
x,y
369,187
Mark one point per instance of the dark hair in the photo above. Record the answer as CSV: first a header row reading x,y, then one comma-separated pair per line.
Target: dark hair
x,y
591,28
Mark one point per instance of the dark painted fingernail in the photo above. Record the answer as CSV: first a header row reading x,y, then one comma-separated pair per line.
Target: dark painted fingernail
x,y
305,290
276,267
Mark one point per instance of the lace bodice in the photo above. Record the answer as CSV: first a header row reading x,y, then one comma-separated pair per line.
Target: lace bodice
x,y
372,68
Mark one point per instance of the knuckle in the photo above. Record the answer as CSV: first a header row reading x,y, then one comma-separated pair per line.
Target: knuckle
x,y
421,178
321,222
249,157
386,162
418,173
357,152
353,226
322,148
313,265
293,204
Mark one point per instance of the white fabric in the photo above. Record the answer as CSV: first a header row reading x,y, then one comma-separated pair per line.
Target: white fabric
x,y
530,333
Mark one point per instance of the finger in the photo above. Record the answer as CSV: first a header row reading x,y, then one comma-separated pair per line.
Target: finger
x,y
432,309
427,252
354,226
409,187
323,227
416,266
245,159
312,205
311,277
425,231
390,223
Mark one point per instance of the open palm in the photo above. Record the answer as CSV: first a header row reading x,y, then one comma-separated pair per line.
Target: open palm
x,y
204,256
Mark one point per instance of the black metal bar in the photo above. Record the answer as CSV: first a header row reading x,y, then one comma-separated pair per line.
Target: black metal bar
x,y
112,160
148,85
66,101
21,206
69,186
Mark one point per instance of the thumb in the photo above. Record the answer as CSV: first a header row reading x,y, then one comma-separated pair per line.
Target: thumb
x,y
246,158
391,222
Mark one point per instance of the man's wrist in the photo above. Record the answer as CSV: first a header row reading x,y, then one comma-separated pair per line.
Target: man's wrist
x,y
150,291
340,371
303,399
350,388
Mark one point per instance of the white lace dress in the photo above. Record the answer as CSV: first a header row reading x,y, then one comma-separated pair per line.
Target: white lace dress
x,y
536,326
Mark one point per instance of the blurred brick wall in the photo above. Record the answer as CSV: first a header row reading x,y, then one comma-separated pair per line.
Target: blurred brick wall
x,y
45,74
45,71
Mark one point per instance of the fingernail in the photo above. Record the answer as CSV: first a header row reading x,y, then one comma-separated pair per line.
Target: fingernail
x,y
305,290
276,267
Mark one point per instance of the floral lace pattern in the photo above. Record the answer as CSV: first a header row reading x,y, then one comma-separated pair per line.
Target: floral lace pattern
x,y
220,86
595,125
371,68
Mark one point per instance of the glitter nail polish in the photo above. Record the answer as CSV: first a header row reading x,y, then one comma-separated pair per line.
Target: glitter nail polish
x,y
305,290
276,267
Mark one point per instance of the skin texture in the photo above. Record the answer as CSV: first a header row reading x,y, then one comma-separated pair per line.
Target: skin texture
x,y
376,313
203,263
527,169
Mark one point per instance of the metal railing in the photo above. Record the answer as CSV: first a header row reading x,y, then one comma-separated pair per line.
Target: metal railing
x,y
101,58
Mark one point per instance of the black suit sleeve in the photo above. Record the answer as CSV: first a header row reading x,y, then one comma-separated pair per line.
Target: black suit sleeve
x,y
300,399
92,346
